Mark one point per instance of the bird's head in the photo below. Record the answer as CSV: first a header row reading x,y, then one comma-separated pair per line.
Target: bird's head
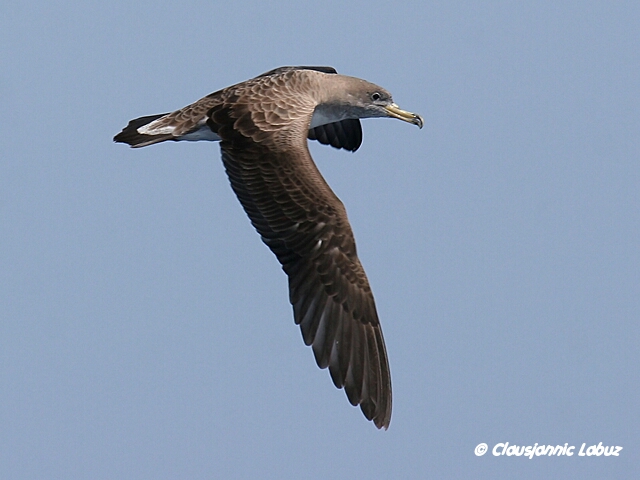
x,y
370,100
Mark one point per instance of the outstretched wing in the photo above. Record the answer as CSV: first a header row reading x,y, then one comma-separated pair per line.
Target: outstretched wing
x,y
305,225
188,123
345,134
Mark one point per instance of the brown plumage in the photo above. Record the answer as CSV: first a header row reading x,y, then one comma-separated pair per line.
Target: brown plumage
x,y
263,125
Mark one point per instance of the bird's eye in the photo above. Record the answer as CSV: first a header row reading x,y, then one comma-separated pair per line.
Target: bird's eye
x,y
375,96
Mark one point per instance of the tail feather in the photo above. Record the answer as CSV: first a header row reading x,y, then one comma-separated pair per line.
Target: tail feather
x,y
130,135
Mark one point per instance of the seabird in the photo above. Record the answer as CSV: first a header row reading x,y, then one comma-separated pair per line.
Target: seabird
x,y
262,125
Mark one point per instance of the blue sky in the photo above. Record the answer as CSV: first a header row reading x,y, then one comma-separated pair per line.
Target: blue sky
x,y
145,330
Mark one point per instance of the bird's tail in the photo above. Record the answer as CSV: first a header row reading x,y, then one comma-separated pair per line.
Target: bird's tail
x,y
131,136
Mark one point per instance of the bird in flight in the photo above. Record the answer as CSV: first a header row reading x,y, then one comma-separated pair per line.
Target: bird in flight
x,y
263,125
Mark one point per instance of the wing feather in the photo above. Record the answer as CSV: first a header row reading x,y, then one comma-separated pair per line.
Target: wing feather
x,y
305,225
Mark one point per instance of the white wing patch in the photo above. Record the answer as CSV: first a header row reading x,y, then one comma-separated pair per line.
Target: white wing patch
x,y
156,128
200,132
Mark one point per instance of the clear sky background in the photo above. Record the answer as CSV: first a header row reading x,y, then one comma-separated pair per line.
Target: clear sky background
x,y
145,330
